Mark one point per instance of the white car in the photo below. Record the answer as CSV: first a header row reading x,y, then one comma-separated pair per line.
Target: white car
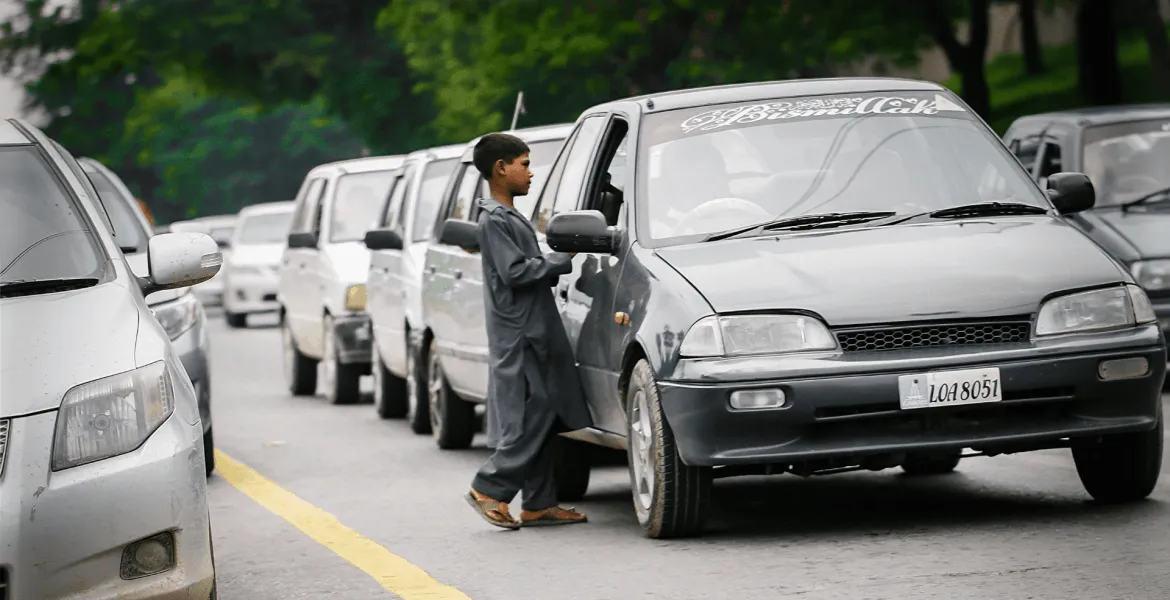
x,y
322,275
249,275
103,492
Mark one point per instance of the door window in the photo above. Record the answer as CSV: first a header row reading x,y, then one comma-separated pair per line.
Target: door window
x,y
393,215
466,193
307,209
572,168
605,189
1050,162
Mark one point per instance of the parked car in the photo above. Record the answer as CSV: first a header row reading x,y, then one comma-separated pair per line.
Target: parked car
x,y
394,289
827,275
322,275
102,483
1125,151
220,228
249,277
453,349
178,310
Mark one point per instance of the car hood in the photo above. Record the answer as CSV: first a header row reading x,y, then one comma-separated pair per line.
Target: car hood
x,y
140,267
1148,232
350,261
53,342
257,255
950,270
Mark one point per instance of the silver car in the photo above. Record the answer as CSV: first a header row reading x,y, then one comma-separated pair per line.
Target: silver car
x,y
103,491
249,276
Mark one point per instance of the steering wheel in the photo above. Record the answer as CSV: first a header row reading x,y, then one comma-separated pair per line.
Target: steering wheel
x,y
719,209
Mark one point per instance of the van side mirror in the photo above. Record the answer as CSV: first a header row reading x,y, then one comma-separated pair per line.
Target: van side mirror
x,y
581,231
383,239
177,260
1071,192
302,239
457,232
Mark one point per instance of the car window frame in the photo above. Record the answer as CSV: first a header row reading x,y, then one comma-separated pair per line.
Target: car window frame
x,y
414,223
568,148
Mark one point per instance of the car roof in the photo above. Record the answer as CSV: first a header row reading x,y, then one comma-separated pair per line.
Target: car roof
x,y
11,134
388,162
267,208
217,220
437,153
1100,115
530,135
769,90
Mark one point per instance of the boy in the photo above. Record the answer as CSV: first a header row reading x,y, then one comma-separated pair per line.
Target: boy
x,y
534,391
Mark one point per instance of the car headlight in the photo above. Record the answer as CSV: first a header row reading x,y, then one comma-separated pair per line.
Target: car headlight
x,y
177,316
742,335
1152,274
112,416
1095,310
355,298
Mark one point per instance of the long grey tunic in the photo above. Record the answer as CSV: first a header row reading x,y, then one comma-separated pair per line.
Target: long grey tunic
x,y
524,327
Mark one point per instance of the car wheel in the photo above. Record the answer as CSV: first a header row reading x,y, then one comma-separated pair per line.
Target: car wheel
x,y
209,451
1122,467
930,463
300,371
571,468
671,499
342,381
452,417
236,320
389,390
418,411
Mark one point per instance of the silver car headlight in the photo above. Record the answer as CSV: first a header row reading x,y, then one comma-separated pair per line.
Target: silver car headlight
x,y
1095,310
1152,274
742,335
177,316
112,416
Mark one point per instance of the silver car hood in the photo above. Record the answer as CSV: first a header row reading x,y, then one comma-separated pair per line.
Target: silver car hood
x,y
53,342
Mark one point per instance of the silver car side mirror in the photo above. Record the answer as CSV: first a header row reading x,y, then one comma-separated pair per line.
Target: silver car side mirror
x,y
177,260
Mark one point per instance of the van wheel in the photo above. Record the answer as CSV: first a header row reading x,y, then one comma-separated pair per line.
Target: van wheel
x,y
236,320
452,417
418,400
342,381
300,371
930,463
389,390
670,499
1122,467
571,468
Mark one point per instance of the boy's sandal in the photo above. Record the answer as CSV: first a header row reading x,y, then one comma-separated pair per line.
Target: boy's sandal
x,y
553,515
492,511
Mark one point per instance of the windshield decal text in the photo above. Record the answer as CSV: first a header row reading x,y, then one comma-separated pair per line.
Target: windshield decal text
x,y
819,107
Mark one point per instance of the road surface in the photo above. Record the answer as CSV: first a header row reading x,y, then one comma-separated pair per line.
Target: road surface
x,y
320,501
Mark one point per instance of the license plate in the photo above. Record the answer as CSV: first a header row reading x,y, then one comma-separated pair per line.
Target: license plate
x,y
950,388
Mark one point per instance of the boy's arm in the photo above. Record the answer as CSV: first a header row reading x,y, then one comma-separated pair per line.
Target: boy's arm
x,y
515,267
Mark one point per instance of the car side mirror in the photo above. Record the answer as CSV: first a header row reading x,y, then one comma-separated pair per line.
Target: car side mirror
x,y
383,239
302,239
1071,192
177,260
581,231
457,232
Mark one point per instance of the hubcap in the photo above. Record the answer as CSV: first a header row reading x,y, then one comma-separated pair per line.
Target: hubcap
x,y
435,393
330,370
641,453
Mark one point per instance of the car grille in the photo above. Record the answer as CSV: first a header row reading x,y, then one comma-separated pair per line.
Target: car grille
x,y
3,445
918,336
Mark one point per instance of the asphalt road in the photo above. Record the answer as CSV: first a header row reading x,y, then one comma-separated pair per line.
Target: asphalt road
x,y
1008,527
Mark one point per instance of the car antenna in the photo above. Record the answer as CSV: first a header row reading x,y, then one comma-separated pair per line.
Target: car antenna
x,y
518,110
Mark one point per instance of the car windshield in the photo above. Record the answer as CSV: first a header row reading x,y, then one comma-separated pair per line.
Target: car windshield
x,y
128,230
711,169
540,157
1128,160
271,228
434,183
357,204
53,240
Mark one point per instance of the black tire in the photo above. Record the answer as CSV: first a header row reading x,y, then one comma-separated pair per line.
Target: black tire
x,y
678,504
300,371
209,451
343,386
572,467
389,390
418,401
236,320
1122,467
453,422
930,463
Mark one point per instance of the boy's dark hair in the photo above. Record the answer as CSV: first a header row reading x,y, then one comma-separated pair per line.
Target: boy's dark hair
x,y
496,146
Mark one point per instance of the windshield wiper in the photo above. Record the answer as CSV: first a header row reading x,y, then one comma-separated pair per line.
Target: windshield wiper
x,y
815,221
10,289
1146,199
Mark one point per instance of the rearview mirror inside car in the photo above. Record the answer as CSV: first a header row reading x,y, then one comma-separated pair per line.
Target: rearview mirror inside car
x,y
383,239
177,260
1071,192
456,232
581,231
302,239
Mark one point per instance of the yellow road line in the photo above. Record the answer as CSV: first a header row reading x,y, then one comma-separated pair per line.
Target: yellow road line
x,y
391,571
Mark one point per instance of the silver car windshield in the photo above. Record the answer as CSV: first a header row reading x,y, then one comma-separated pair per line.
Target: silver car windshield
x,y
270,228
50,238
1128,160
358,203
715,168
128,230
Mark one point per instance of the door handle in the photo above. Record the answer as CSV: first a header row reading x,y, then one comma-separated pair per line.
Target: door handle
x,y
457,274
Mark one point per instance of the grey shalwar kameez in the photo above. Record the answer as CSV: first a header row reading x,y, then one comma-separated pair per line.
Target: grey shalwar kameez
x,y
534,390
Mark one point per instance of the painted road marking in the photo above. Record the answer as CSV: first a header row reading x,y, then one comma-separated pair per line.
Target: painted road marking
x,y
392,572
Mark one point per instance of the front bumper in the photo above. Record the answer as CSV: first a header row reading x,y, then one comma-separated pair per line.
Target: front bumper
x,y
248,294
353,336
62,534
856,413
